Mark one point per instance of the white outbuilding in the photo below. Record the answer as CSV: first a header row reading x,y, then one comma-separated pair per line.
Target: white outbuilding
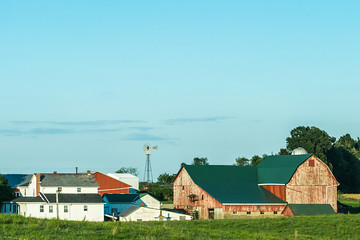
x,y
151,214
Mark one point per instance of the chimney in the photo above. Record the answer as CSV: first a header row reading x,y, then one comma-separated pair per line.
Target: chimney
x,y
37,184
55,172
76,170
141,204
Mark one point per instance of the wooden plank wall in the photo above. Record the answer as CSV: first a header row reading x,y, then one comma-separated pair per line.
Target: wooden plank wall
x,y
312,184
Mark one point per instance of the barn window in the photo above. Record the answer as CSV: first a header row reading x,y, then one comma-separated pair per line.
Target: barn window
x,y
182,187
262,213
275,212
202,197
78,189
41,208
248,212
234,213
311,163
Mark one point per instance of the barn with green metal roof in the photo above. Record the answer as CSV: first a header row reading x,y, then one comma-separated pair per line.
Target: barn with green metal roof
x,y
218,191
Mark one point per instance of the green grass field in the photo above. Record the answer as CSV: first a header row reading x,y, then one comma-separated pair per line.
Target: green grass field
x,y
337,226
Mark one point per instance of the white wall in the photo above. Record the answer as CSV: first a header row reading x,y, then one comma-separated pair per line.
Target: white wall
x,y
69,189
127,178
75,212
149,214
30,190
151,202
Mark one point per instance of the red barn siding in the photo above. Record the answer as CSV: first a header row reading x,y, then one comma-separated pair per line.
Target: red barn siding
x,y
181,196
287,212
278,190
312,184
110,185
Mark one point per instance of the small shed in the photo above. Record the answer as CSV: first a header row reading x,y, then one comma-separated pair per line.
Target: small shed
x,y
151,214
150,201
117,203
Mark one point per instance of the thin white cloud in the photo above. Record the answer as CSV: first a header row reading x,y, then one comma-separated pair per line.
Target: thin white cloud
x,y
194,120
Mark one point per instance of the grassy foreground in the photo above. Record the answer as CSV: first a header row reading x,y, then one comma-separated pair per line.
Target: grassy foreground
x,y
337,226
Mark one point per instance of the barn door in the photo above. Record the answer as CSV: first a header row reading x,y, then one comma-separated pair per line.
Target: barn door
x,y
211,213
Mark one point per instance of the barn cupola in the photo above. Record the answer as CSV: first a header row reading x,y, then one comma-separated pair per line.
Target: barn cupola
x,y
299,151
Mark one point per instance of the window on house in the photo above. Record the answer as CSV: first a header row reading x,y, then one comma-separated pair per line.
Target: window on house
x,y
311,163
262,213
78,189
275,212
66,208
41,208
234,213
182,187
51,209
182,218
85,208
248,212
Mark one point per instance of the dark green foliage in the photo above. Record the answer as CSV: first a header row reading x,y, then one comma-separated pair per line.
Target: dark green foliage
x,y
200,161
6,192
351,145
346,169
159,191
242,161
312,139
338,226
255,160
130,170
166,178
284,151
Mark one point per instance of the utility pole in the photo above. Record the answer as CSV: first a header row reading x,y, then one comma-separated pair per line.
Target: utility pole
x,y
57,202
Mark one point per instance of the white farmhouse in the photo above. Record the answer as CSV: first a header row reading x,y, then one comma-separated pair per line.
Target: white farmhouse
x,y
78,197
77,207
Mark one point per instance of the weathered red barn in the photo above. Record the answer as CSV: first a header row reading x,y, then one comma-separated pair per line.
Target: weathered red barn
x,y
231,191
108,184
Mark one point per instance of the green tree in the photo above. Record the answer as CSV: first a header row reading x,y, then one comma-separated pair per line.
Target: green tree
x,y
166,178
255,160
242,161
284,151
346,169
351,145
130,170
159,191
200,161
6,192
312,139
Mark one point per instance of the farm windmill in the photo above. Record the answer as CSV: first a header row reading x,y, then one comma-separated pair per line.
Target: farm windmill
x,y
148,171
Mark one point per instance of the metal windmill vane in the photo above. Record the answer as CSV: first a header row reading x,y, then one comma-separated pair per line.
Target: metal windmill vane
x,y
148,172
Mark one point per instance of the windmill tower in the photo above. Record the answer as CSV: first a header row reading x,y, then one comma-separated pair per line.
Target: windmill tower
x,y
148,171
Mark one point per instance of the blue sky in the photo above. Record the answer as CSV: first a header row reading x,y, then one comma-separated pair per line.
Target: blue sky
x,y
86,83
